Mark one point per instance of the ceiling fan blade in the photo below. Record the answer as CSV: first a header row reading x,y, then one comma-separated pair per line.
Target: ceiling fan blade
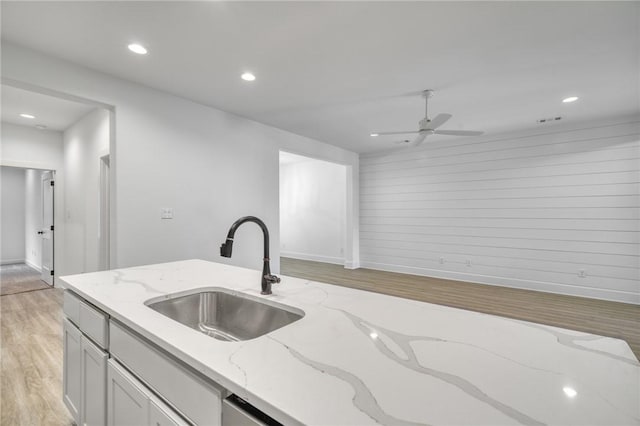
x,y
439,120
458,132
395,133
421,137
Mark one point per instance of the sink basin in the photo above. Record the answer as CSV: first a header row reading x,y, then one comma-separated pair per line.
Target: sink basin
x,y
226,315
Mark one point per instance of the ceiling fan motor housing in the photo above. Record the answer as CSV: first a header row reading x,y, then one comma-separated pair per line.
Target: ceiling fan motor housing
x,y
424,124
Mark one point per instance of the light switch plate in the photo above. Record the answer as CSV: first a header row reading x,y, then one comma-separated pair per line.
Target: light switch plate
x,y
166,213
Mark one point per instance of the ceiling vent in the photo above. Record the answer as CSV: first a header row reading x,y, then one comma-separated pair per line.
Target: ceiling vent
x,y
548,120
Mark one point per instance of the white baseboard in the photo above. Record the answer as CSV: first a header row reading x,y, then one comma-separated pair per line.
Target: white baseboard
x,y
11,261
547,287
33,265
313,257
351,265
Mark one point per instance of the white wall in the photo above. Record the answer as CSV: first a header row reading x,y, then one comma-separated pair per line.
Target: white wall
x,y
84,143
29,147
211,167
312,210
12,222
33,218
528,210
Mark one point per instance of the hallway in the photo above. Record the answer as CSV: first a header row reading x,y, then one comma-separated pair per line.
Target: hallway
x,y
19,278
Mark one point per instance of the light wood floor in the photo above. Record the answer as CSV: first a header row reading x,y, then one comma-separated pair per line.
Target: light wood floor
x,y
600,317
18,278
31,359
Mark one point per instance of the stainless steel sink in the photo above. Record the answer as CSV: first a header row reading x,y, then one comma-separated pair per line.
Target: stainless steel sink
x,y
226,315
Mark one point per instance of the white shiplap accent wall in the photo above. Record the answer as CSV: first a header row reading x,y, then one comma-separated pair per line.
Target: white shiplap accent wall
x,y
530,210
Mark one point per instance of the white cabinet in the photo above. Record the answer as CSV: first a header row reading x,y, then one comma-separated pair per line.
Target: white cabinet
x,y
84,377
126,402
91,320
161,415
130,403
199,400
100,390
93,389
72,369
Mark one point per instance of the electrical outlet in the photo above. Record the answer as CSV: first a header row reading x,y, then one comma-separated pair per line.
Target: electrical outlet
x,y
166,213
468,262
582,273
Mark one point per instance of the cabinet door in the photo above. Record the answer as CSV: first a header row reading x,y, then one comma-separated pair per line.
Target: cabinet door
x,y
127,403
72,368
94,385
161,415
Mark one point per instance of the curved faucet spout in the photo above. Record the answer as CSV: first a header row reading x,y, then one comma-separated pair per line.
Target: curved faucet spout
x,y
227,247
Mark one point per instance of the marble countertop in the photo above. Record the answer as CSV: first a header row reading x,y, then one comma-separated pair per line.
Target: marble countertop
x,y
361,358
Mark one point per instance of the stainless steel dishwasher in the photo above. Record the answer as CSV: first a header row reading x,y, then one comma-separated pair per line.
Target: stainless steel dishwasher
x,y
238,412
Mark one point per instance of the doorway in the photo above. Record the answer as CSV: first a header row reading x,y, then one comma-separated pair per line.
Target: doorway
x,y
73,139
27,229
313,209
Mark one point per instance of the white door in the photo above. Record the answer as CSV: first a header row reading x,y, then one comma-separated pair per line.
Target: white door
x,y
47,227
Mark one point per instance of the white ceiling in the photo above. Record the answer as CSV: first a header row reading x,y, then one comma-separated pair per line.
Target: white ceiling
x,y
337,71
55,113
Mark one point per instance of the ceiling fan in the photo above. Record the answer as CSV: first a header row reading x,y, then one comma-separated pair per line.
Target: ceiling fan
x,y
428,127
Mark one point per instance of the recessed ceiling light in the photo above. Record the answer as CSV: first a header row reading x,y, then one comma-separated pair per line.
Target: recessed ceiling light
x,y
23,115
374,134
247,76
570,99
137,48
569,391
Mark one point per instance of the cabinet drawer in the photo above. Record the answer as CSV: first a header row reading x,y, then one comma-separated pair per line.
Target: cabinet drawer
x,y
198,400
91,321
71,307
94,324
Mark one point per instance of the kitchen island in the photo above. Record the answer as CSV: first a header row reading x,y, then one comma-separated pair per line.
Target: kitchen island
x,y
360,358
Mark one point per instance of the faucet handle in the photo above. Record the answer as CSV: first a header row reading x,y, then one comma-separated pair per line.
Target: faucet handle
x,y
273,279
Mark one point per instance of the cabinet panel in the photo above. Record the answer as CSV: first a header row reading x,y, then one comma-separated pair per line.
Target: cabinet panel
x,y
161,415
94,380
131,403
197,399
71,307
127,403
94,324
91,321
72,368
